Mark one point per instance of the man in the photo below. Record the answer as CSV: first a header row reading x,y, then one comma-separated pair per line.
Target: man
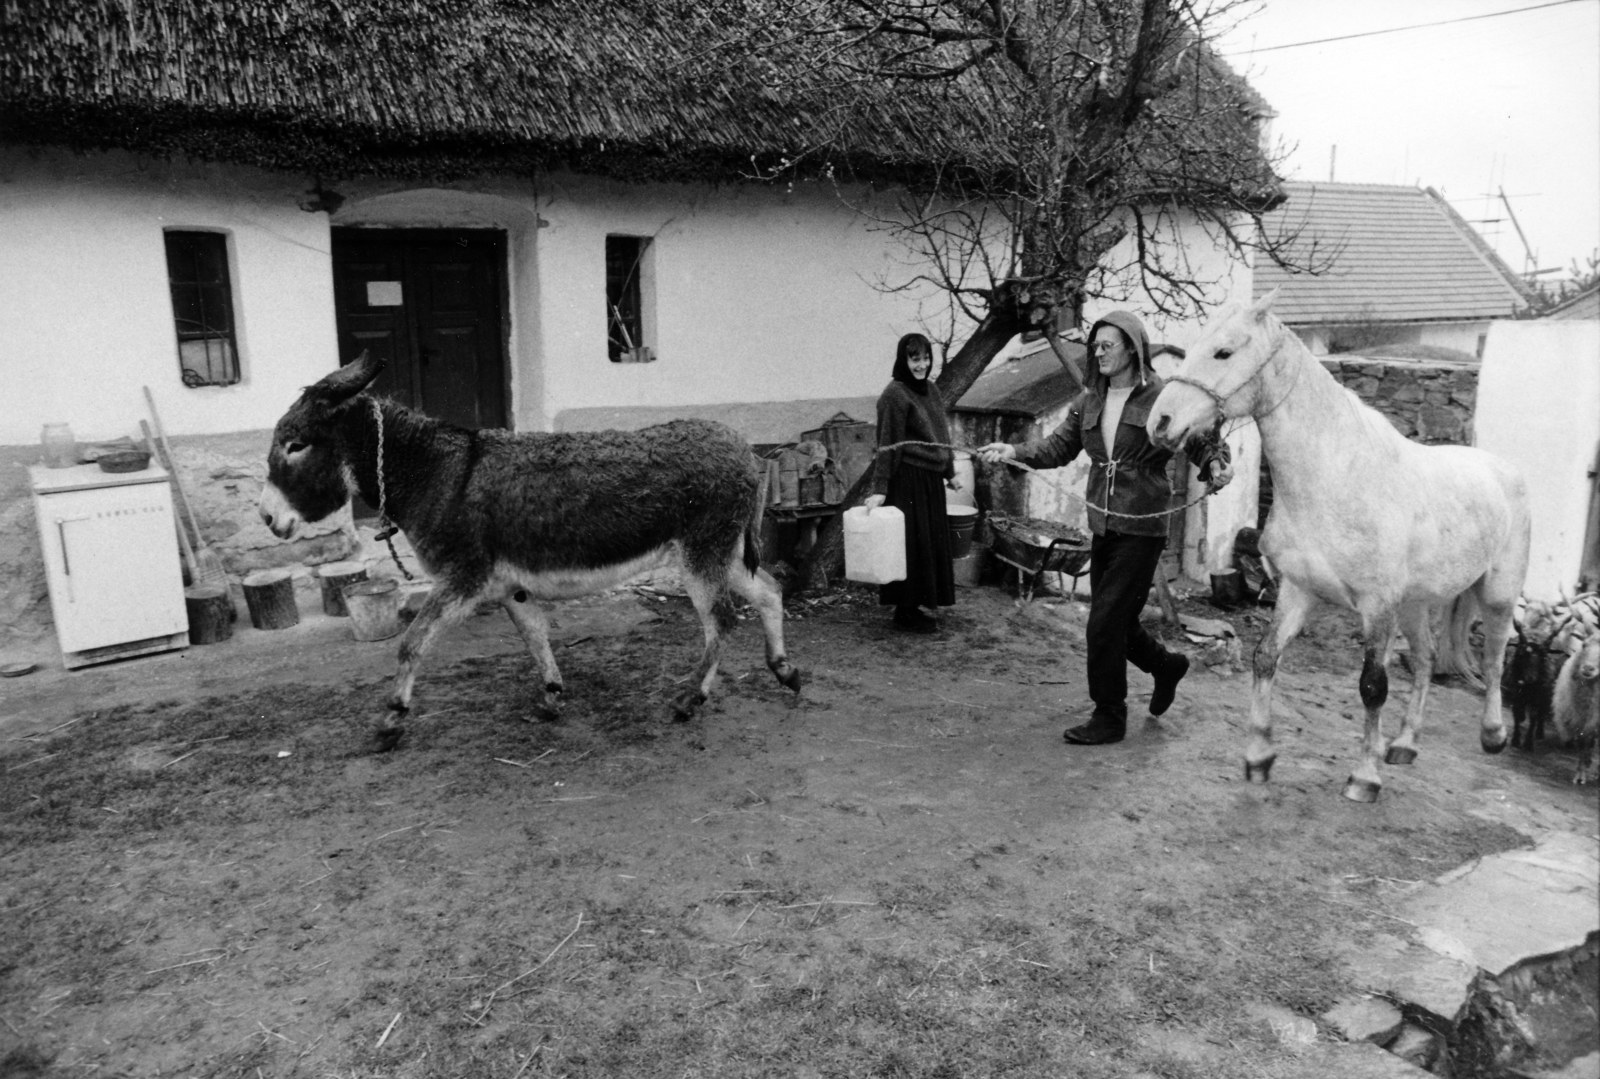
x,y
1128,494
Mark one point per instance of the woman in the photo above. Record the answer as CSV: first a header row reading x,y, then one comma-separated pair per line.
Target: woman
x,y
1129,494
908,478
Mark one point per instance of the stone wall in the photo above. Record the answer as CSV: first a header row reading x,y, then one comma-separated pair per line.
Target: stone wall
x,y
1427,402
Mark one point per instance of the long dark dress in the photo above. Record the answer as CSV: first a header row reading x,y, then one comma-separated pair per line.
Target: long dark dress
x,y
930,581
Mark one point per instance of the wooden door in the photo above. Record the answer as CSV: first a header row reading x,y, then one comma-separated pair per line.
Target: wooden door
x,y
431,304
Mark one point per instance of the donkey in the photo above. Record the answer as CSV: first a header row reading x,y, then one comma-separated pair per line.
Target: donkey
x,y
518,518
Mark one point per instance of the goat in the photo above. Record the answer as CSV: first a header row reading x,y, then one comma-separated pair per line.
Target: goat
x,y
517,518
1575,704
1531,671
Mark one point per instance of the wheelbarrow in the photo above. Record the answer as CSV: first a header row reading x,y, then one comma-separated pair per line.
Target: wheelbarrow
x,y
1034,547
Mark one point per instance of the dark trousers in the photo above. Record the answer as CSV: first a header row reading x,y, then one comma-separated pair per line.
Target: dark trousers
x,y
1122,568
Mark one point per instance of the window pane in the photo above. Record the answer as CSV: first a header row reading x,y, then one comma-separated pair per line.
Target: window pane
x,y
624,324
202,308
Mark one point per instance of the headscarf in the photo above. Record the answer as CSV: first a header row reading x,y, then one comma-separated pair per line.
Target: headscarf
x,y
902,364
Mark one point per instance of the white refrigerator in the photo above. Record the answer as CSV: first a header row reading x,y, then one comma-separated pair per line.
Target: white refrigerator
x,y
111,559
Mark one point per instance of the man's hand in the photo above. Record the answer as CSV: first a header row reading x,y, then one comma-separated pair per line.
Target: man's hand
x,y
1221,474
995,452
872,502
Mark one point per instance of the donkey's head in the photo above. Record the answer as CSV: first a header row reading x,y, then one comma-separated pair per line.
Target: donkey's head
x,y
1219,376
307,476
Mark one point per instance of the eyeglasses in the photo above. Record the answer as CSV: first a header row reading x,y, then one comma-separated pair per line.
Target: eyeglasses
x,y
1106,346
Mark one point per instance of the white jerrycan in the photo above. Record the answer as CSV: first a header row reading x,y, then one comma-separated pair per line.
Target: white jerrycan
x,y
874,545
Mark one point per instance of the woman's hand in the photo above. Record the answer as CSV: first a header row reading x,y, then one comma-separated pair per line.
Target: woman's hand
x,y
995,452
953,483
872,502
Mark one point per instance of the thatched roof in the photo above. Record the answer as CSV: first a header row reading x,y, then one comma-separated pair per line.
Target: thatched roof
x,y
441,88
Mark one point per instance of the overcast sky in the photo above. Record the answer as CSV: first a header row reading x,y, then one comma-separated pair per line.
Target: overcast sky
x,y
1465,108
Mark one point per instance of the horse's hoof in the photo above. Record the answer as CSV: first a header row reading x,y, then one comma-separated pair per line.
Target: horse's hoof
x,y
685,704
386,739
1260,771
554,689
1361,790
790,680
1399,755
1490,745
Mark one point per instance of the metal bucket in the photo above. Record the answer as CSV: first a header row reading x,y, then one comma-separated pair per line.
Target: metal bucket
x,y
374,609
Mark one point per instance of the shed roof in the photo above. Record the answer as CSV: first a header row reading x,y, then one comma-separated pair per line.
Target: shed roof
x,y
1400,254
1029,385
1580,305
446,88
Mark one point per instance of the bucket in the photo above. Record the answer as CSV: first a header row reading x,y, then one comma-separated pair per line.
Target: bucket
x,y
963,521
1227,588
967,496
374,609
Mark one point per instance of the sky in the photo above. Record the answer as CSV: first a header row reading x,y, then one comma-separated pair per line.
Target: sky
x,y
1468,108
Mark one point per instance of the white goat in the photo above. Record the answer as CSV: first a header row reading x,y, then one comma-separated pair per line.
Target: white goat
x,y
1575,704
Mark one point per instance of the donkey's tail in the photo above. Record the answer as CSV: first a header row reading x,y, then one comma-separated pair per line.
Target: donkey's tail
x,y
752,528
1455,654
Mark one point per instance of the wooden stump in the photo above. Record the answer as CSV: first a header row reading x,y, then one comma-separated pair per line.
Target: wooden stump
x,y
211,613
269,593
333,577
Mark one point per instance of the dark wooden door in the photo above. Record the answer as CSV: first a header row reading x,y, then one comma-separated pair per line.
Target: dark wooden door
x,y
431,304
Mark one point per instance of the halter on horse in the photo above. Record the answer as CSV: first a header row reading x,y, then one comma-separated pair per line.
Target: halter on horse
x,y
1361,517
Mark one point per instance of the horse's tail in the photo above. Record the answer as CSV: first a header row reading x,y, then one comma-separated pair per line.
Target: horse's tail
x,y
1454,654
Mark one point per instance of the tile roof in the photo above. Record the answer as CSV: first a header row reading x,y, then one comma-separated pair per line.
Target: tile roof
x,y
1401,254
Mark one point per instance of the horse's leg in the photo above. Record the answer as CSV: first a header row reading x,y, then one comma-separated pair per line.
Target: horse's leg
x,y
768,602
1294,603
1377,636
444,608
1416,624
1497,601
710,600
532,623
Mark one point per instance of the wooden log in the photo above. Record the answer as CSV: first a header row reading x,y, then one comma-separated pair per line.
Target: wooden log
x,y
269,593
211,613
333,577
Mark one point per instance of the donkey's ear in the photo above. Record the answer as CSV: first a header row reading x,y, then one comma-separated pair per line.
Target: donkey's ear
x,y
1259,309
347,381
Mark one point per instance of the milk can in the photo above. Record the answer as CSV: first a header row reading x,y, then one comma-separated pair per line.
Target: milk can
x,y
875,545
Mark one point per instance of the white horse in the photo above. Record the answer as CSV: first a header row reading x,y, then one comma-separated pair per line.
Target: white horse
x,y
1361,517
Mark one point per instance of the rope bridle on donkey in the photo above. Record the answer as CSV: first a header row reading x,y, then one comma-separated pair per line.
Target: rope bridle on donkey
x,y
386,527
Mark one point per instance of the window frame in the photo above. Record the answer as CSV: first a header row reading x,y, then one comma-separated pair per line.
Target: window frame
x,y
216,290
630,302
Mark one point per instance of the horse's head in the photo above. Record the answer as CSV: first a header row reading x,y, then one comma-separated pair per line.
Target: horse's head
x,y
1219,376
307,477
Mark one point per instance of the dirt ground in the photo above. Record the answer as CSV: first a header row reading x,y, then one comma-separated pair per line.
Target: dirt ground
x,y
905,872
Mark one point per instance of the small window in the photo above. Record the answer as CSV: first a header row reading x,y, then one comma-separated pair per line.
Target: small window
x,y
202,308
629,299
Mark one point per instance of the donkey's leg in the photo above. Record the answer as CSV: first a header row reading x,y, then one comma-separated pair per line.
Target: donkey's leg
x,y
444,608
768,602
1497,600
1377,636
710,602
1294,603
532,623
1416,624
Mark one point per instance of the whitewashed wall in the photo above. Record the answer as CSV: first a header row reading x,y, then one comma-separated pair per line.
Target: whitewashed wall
x,y
1539,407
85,312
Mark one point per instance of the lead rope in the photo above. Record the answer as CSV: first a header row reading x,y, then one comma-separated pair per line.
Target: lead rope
x,y
1052,483
386,527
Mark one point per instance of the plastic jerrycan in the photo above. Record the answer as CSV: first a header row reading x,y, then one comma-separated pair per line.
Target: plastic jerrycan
x,y
874,545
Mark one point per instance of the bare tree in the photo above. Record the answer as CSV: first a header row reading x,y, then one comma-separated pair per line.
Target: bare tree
x,y
1068,140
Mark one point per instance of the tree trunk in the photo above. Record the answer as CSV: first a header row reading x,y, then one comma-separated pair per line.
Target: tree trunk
x,y
1005,319
269,594
210,610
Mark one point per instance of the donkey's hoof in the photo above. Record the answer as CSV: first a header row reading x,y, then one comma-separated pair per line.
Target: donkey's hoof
x,y
1260,771
386,739
685,704
1361,790
1489,744
1399,755
554,689
790,680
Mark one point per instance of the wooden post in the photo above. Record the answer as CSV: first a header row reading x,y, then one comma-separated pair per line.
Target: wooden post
x,y
333,577
269,593
211,613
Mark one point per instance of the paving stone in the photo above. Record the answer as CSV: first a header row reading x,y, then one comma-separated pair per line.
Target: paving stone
x,y
1466,912
1355,1060
1417,1045
1364,1019
1417,975
1289,1029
